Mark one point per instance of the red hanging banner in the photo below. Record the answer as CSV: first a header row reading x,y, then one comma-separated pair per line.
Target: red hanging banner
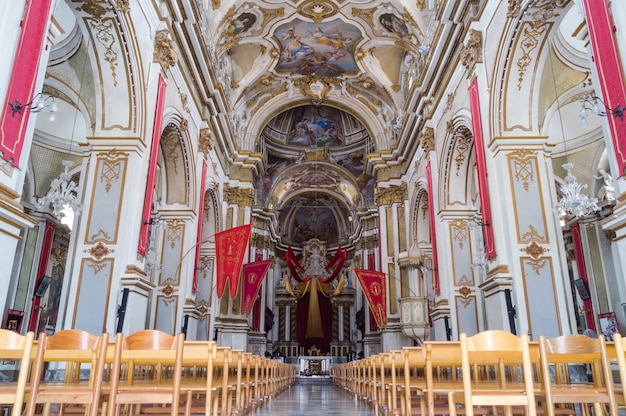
x,y
606,56
230,246
154,159
374,287
433,235
23,77
194,286
253,275
481,170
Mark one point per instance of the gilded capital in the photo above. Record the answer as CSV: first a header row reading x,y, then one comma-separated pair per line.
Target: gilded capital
x,y
394,194
164,52
427,139
242,197
123,6
471,53
205,142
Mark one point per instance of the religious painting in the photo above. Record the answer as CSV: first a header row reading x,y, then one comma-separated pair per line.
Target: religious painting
x,y
242,23
354,162
393,24
323,49
313,126
314,223
265,182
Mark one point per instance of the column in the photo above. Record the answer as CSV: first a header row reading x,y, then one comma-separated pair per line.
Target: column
x,y
390,198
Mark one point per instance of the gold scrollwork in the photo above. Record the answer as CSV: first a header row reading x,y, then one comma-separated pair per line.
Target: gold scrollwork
x,y
534,250
164,52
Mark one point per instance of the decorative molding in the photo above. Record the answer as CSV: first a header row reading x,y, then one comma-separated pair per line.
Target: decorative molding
x,y
169,291
242,197
515,6
318,10
394,194
123,6
427,139
534,250
463,139
471,54
206,142
98,251
164,52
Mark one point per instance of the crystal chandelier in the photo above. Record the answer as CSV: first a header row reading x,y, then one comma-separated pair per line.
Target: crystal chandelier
x,y
574,202
62,194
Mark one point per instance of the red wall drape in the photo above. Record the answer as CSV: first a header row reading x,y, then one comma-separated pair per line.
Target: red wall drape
x,y
481,168
433,234
154,160
610,72
23,78
196,268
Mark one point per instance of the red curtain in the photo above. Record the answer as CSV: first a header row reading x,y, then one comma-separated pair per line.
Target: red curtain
x,y
481,168
230,246
433,234
154,160
610,72
196,269
23,77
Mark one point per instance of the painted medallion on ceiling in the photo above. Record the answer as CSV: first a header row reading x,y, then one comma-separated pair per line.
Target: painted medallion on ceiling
x,y
325,49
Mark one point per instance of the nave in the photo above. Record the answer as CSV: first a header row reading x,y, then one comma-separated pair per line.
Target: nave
x,y
322,398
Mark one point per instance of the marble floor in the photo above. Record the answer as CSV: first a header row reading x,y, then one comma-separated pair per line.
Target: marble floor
x,y
322,398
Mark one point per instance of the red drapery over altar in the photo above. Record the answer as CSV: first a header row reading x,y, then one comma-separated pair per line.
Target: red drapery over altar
x,y
253,275
481,170
230,246
154,159
23,77
295,267
374,287
433,235
610,72
196,269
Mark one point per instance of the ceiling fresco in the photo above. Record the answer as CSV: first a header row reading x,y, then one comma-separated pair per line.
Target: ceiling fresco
x,y
324,49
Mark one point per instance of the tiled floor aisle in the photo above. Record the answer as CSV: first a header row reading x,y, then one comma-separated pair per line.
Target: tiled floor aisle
x,y
314,399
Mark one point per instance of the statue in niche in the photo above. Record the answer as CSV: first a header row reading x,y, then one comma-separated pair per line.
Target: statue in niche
x,y
607,191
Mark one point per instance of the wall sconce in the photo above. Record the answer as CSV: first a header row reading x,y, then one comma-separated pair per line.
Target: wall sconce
x,y
618,111
37,104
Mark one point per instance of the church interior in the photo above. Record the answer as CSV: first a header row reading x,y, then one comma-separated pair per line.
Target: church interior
x,y
409,171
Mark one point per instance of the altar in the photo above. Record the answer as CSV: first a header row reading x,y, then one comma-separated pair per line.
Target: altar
x,y
313,366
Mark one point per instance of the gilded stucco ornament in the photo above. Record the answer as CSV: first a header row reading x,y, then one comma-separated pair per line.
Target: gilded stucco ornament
x,y
534,250
98,251
168,290
318,10
394,194
242,197
205,142
427,139
515,6
471,54
123,6
164,52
